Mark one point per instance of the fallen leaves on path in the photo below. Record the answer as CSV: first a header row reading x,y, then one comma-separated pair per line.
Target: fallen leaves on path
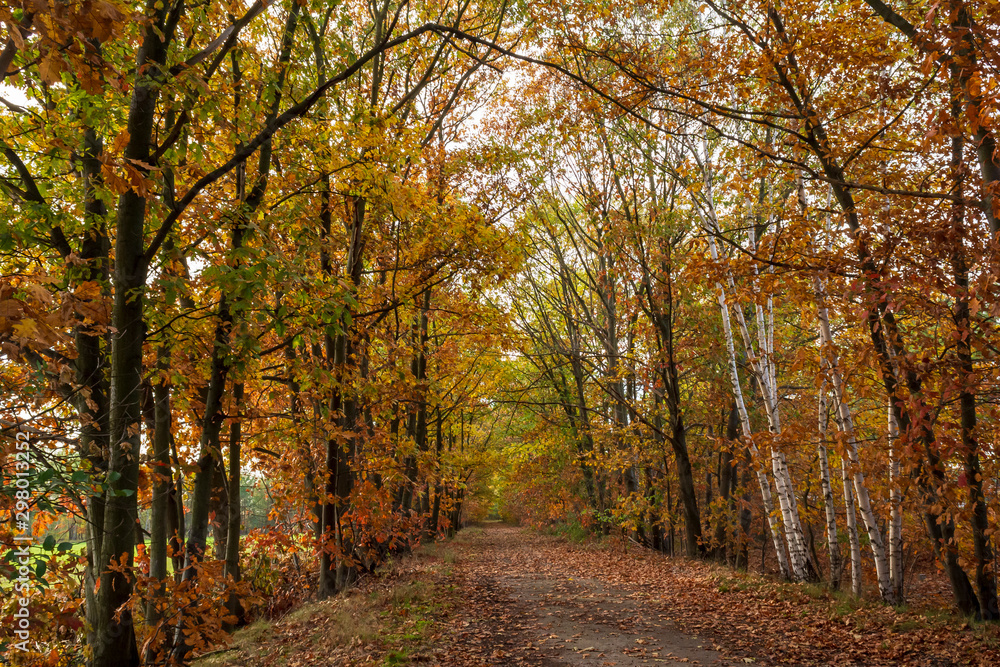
x,y
501,595
751,619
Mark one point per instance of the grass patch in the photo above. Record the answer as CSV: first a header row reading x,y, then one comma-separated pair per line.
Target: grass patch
x,y
388,621
390,624
728,580
396,657
410,610
247,638
734,584
467,534
573,532
816,591
436,551
845,605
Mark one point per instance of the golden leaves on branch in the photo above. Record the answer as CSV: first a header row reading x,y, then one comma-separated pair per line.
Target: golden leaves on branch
x,y
33,318
24,322
135,171
70,35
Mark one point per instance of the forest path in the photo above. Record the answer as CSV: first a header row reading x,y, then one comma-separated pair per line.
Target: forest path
x,y
528,599
499,596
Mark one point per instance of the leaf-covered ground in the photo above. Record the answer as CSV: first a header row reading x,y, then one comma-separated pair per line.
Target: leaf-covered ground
x,y
501,595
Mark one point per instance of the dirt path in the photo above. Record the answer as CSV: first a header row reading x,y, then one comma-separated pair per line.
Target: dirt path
x,y
496,596
523,601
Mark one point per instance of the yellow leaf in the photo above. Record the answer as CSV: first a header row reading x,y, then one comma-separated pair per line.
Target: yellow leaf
x,y
26,328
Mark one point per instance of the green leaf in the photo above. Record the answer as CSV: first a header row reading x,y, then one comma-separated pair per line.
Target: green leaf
x,y
40,569
65,546
79,476
49,543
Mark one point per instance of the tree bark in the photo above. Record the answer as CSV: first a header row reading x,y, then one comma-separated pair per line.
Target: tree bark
x,y
162,483
114,643
335,570
91,367
965,372
762,480
232,554
833,546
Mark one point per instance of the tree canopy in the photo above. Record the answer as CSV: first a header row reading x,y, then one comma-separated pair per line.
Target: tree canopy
x,y
312,281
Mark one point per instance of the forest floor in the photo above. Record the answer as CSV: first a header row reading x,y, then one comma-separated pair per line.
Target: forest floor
x,y
501,595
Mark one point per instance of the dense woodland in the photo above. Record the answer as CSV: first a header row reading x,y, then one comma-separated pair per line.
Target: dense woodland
x,y
717,278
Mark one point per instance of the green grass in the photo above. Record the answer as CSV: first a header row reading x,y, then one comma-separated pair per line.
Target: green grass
x,y
396,657
38,554
573,532
409,611
79,548
729,580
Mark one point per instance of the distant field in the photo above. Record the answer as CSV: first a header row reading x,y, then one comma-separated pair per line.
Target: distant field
x,y
38,551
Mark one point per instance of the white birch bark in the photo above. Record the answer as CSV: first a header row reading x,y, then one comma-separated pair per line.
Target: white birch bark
x,y
833,546
852,532
797,551
765,485
763,371
767,379
846,423
895,494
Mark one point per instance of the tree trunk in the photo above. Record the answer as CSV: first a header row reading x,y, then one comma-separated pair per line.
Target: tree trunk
x,y
335,570
219,509
727,480
114,643
210,462
175,517
91,369
888,344
762,481
210,458
232,554
162,482
746,522
786,497
833,546
896,510
852,533
965,371
845,422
